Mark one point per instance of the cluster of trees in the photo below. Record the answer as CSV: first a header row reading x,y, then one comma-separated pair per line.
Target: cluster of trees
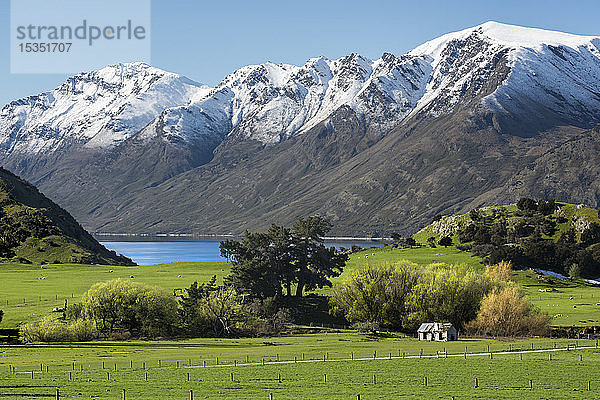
x,y
404,295
268,267
212,310
121,309
283,260
526,240
19,224
118,308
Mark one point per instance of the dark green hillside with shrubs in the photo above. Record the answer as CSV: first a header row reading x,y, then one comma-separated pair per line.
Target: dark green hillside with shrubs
x,y
33,229
560,237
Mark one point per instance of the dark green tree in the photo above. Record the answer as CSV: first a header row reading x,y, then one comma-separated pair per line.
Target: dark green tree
x,y
255,266
396,237
526,204
591,235
264,263
445,241
315,263
193,321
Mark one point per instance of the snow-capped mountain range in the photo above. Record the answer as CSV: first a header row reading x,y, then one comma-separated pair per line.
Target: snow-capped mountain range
x,y
104,142
272,102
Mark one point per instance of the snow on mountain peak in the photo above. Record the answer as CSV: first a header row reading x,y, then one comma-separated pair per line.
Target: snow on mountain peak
x,y
506,35
97,109
270,102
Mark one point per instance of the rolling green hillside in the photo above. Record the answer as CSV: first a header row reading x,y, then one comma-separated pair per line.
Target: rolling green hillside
x,y
33,229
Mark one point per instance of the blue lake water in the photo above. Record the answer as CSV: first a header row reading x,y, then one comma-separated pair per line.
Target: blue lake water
x,y
149,253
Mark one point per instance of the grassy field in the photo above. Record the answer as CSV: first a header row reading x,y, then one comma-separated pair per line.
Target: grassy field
x,y
30,291
159,369
80,373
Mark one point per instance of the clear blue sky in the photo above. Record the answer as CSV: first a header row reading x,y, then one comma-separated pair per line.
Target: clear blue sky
x,y
206,40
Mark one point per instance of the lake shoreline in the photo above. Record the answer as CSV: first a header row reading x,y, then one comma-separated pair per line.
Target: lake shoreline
x,y
185,237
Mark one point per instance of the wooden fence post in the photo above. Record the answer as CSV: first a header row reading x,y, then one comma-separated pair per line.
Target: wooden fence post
x,y
531,384
57,394
425,381
476,383
191,395
123,394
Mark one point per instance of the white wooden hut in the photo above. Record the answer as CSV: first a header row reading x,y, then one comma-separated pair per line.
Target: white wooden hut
x,y
437,331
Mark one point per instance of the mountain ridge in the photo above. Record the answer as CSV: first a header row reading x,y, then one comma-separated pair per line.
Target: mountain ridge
x,y
449,101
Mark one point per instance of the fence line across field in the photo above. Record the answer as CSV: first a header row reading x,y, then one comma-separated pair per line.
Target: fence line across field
x,y
276,359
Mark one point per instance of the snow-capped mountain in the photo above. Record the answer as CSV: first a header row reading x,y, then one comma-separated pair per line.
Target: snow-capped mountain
x,y
494,90
98,109
511,66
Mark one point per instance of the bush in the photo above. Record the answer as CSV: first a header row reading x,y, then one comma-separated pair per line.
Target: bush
x,y
49,329
506,312
121,305
405,295
500,272
445,241
527,204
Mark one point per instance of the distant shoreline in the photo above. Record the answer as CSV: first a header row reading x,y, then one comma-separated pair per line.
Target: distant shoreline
x,y
191,237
